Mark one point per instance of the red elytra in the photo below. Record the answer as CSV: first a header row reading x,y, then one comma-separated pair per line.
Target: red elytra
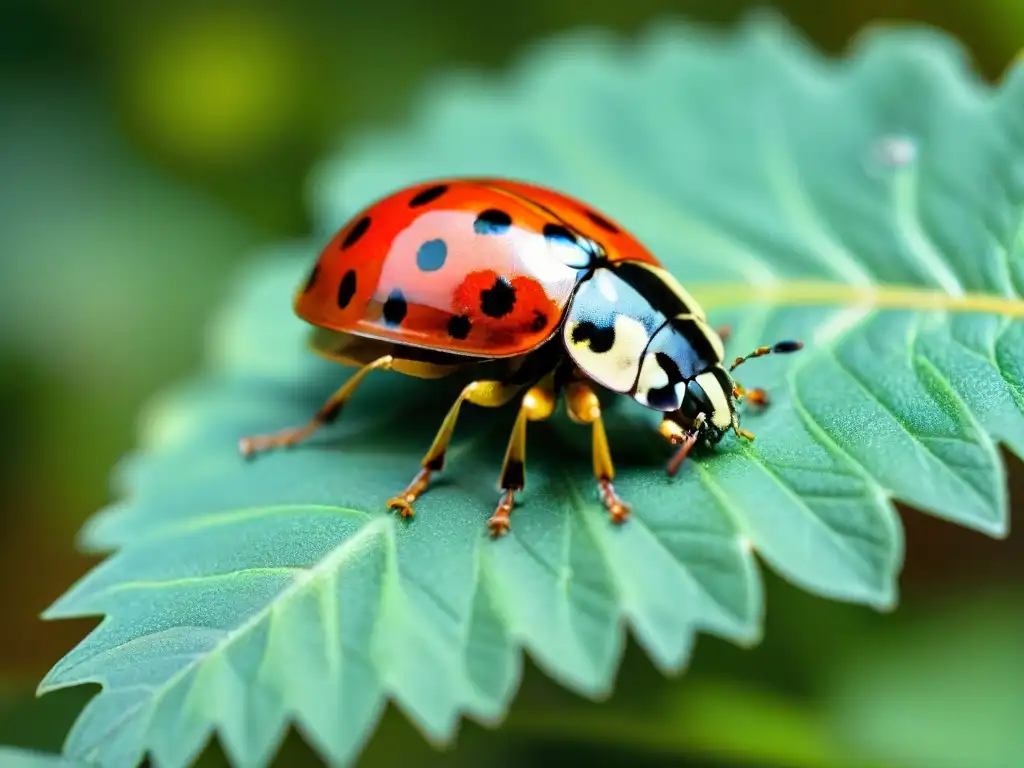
x,y
481,267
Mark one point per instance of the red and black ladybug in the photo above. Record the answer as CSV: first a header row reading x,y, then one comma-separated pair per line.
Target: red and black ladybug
x,y
555,296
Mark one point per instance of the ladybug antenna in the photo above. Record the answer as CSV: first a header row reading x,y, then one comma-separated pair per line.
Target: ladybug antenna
x,y
779,348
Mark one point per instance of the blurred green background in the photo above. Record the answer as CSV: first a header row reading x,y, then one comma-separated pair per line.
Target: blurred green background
x,y
148,148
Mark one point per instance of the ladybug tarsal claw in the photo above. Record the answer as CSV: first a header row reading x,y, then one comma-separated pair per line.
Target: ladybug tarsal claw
x,y
402,503
618,510
500,522
499,525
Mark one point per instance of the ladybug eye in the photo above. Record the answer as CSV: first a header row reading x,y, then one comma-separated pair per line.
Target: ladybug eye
x,y
695,401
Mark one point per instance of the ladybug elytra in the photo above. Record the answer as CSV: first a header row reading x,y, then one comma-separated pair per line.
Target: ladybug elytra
x,y
547,295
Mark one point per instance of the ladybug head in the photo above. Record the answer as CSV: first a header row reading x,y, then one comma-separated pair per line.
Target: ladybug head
x,y
633,329
708,407
681,375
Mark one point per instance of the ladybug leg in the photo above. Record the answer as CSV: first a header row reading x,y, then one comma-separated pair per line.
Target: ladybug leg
x,y
756,397
584,408
328,413
489,394
537,404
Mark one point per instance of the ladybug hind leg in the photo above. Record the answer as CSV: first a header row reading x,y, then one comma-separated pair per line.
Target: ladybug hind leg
x,y
584,408
328,412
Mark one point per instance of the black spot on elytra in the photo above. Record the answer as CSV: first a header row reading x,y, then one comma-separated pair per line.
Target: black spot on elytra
x,y
602,222
311,280
431,255
395,308
540,320
558,232
346,289
428,195
357,231
492,222
498,300
459,327
600,338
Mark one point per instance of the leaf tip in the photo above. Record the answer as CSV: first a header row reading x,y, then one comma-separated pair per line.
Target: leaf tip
x,y
997,528
887,599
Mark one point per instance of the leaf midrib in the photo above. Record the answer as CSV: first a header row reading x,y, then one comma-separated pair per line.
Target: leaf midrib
x,y
825,293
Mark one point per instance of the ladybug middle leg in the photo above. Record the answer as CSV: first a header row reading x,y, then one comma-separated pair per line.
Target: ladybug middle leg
x,y
485,393
537,405
584,408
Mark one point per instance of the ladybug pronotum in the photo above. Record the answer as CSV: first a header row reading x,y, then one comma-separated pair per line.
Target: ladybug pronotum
x,y
546,295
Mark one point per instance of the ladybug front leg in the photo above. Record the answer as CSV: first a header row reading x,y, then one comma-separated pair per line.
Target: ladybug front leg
x,y
757,397
328,413
584,408
489,394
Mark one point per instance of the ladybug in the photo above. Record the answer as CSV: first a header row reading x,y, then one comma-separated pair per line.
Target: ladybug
x,y
536,293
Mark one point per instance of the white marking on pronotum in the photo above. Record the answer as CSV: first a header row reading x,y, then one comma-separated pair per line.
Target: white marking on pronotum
x,y
619,367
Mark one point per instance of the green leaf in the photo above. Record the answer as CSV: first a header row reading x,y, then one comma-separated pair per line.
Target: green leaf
x,y
871,206
24,758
